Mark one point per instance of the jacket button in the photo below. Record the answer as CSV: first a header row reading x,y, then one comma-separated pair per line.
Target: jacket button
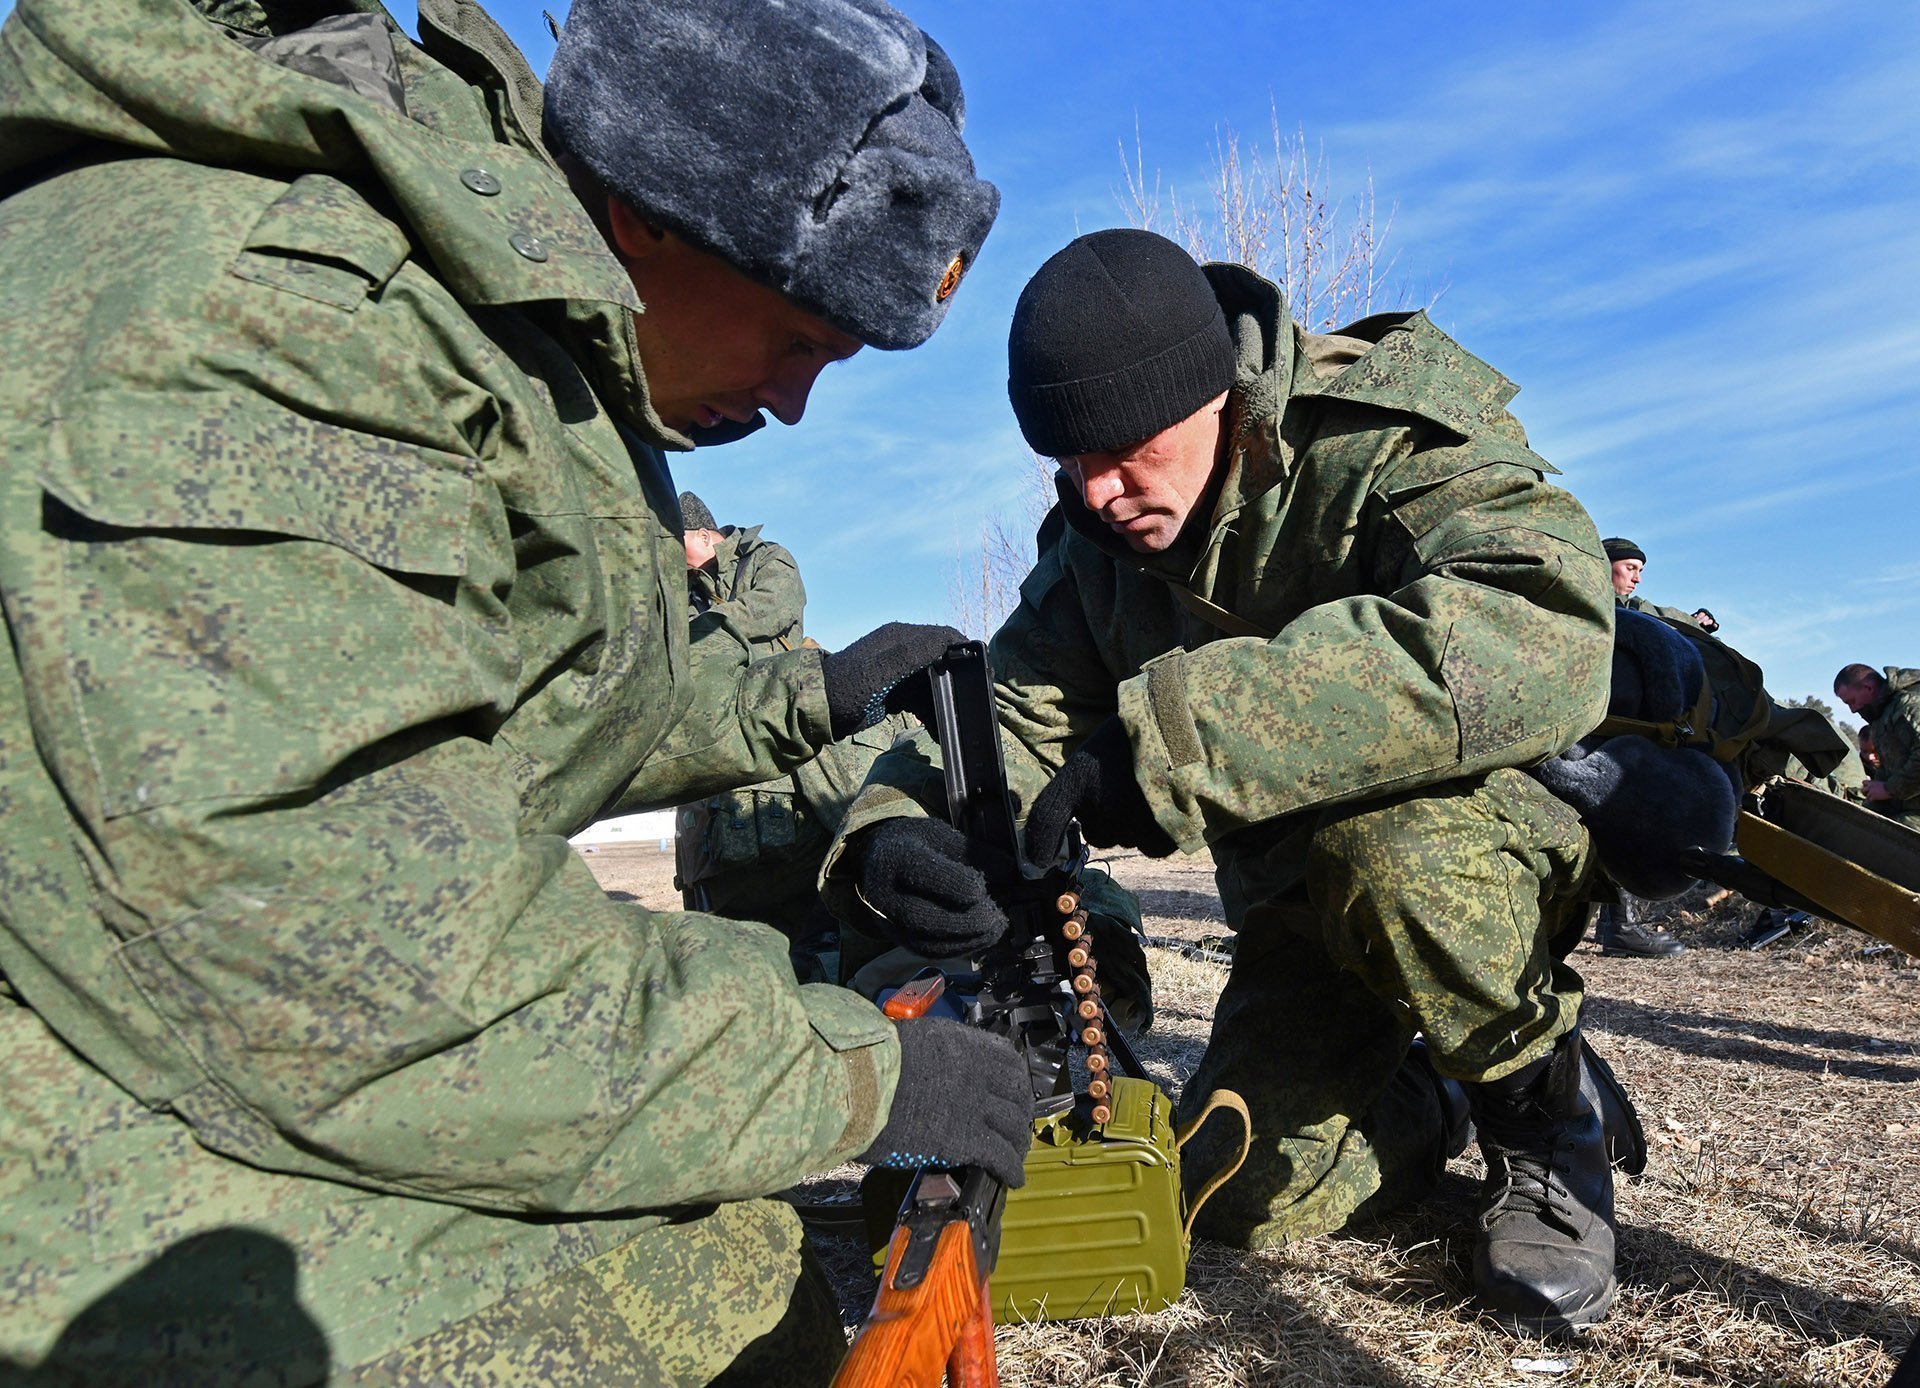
x,y
532,247
482,182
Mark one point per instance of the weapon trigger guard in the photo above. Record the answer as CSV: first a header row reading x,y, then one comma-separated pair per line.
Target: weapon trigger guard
x,y
1220,1098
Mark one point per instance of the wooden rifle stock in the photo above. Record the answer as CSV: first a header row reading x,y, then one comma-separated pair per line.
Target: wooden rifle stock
x,y
932,1320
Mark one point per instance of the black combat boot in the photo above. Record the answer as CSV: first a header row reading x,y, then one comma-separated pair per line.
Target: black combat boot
x,y
1620,931
1545,1259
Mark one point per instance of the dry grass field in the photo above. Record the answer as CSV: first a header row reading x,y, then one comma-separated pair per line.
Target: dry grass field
x,y
1775,1238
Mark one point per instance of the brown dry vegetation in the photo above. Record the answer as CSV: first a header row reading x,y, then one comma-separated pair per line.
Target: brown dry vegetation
x,y
1775,1238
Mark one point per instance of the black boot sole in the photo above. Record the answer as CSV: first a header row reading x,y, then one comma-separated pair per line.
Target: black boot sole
x,y
1558,1321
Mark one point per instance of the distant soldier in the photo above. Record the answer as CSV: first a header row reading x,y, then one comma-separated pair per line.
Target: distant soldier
x,y
1628,561
751,580
1890,703
755,854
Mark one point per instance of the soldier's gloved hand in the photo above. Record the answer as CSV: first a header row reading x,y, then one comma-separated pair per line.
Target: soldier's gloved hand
x,y
963,1100
1096,786
860,677
930,883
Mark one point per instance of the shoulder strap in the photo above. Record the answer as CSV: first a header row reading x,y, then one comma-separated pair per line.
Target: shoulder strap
x,y
1220,1098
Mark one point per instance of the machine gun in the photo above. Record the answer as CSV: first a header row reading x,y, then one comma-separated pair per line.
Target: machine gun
x,y
1038,987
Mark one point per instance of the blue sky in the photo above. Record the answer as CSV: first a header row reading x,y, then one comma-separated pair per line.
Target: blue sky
x,y
1687,231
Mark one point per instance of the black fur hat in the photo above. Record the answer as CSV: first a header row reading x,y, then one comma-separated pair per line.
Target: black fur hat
x,y
812,144
694,514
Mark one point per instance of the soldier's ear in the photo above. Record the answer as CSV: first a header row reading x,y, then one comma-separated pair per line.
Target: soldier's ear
x,y
634,236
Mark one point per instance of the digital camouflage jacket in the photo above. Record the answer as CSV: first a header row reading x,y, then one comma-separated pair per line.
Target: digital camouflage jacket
x,y
1636,603
338,592
755,585
1896,737
1389,596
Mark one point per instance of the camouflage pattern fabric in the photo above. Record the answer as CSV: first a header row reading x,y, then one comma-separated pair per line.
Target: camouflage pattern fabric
x,y
340,581
755,586
1419,912
1896,738
1636,603
734,1297
754,854
1431,614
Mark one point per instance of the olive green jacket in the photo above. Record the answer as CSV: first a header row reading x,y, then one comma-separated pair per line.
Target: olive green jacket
x,y
339,592
755,585
1636,603
1896,736
1388,595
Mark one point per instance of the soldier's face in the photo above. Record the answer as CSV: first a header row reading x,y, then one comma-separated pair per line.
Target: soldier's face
x,y
1858,697
1626,576
1146,491
716,345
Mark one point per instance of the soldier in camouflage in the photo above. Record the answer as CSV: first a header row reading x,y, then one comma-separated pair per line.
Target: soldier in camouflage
x,y
754,853
1890,702
343,579
746,578
1315,607
1626,561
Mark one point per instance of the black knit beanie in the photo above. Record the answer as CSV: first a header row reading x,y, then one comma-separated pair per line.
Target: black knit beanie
x,y
1115,338
1618,549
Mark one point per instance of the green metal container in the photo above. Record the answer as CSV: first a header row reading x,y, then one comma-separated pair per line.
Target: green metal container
x,y
1097,1228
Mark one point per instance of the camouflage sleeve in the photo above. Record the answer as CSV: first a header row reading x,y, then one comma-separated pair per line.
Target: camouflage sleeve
x,y
1484,644
325,886
750,720
1903,780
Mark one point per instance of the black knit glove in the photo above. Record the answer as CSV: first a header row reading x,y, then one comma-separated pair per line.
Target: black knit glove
x,y
930,883
860,678
1096,787
964,1099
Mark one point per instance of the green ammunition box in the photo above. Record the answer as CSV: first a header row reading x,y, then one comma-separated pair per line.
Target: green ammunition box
x,y
1098,1228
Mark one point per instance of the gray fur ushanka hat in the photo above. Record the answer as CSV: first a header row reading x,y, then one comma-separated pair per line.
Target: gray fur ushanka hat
x,y
813,144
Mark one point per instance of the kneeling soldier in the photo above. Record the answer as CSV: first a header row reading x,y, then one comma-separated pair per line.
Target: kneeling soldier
x,y
1309,602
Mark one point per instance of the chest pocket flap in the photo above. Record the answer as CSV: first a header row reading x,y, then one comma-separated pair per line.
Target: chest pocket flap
x,y
221,462
323,241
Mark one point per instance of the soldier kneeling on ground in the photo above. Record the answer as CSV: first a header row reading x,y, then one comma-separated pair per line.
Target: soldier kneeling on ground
x,y
344,580
1309,601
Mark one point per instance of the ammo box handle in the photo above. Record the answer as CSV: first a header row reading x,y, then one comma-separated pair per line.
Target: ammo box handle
x,y
1220,1098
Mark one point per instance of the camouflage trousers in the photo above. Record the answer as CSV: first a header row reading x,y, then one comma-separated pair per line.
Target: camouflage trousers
x,y
129,1255
1444,912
